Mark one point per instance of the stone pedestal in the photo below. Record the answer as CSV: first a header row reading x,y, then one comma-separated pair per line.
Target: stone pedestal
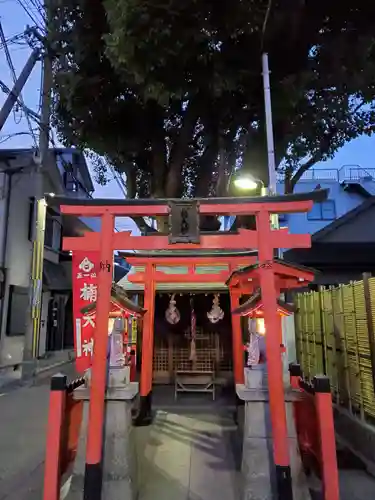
x,y
119,457
256,377
258,469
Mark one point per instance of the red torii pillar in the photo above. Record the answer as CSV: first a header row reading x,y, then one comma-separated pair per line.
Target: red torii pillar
x,y
94,447
274,363
237,343
144,417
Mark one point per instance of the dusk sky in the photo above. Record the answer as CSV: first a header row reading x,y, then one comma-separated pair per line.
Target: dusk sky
x,y
14,21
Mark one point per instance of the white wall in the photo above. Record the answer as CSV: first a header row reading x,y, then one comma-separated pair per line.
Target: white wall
x,y
18,257
19,248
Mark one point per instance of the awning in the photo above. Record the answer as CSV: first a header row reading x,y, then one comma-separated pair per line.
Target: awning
x,y
120,299
255,303
54,277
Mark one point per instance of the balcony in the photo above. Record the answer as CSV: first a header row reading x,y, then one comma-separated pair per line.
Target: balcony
x,y
347,173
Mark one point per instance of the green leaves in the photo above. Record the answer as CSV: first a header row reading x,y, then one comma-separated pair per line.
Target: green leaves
x,y
128,71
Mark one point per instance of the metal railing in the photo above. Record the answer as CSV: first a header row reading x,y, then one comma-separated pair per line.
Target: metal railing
x,y
346,173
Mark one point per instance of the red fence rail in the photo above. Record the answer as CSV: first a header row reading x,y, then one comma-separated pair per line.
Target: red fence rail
x,y
64,424
313,417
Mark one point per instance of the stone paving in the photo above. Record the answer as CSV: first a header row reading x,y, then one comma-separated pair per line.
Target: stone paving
x,y
181,456
184,457
23,422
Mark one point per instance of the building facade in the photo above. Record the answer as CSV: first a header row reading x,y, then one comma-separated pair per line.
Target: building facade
x,y
341,227
64,172
348,188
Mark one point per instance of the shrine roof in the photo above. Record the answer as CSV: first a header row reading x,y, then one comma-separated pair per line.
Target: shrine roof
x,y
317,195
253,302
189,253
246,269
119,297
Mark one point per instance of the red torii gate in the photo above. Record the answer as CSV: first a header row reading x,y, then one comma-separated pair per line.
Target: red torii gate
x,y
263,238
192,261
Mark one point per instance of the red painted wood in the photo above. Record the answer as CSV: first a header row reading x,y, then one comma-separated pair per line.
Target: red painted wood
x,y
264,239
237,261
148,332
326,429
237,342
55,427
245,239
286,276
180,278
273,328
94,446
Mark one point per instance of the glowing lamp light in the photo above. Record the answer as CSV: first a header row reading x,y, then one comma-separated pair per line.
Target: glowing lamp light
x,y
245,183
261,327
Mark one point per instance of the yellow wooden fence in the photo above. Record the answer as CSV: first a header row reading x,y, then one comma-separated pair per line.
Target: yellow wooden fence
x,y
335,337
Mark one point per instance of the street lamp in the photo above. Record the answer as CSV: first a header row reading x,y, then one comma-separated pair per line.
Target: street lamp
x,y
246,182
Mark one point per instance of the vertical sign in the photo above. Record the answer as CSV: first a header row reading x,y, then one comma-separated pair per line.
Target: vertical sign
x,y
134,331
85,266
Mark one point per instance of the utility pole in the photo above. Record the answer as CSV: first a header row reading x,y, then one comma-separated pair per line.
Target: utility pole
x,y
15,93
269,127
270,139
37,253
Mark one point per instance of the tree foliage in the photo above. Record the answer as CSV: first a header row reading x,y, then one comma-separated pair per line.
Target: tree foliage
x,y
171,93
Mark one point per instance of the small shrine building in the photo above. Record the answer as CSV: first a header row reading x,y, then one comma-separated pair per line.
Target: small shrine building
x,y
189,294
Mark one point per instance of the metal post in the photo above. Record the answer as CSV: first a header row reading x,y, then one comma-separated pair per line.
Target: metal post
x,y
269,128
36,265
270,140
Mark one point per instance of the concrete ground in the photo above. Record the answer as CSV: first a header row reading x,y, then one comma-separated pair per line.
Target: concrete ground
x,y
23,421
11,375
187,457
182,456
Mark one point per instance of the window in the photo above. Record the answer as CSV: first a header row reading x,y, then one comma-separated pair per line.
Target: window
x,y
31,218
17,307
323,211
52,234
70,182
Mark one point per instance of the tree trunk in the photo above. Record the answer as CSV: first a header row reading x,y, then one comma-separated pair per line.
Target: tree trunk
x,y
180,149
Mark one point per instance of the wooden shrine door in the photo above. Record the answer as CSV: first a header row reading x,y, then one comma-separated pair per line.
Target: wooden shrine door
x,y
213,353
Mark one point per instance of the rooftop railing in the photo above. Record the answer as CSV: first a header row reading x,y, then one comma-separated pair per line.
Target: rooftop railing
x,y
346,173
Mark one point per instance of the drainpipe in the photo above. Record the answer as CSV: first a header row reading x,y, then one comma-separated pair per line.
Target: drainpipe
x,y
7,183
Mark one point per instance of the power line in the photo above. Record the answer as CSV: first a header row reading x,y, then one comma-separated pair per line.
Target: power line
x,y
28,13
14,76
18,39
34,116
6,137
